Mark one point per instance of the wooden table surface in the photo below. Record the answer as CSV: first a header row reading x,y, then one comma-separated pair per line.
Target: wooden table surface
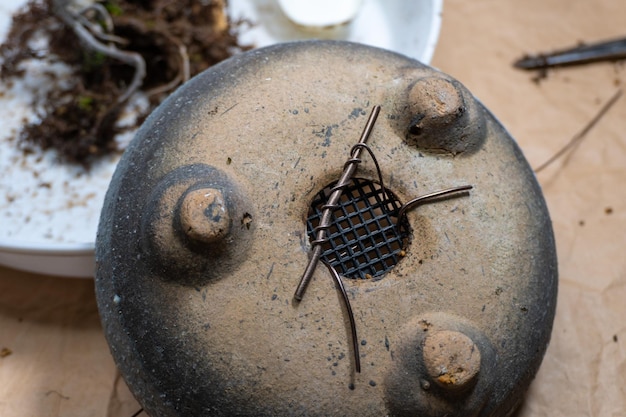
x,y
54,360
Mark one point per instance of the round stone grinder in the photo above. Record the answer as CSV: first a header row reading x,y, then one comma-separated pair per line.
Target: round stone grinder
x,y
325,228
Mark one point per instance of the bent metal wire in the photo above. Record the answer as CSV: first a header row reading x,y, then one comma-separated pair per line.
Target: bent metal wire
x,y
365,238
358,228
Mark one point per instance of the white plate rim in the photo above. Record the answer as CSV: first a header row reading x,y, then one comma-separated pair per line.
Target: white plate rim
x,y
80,249
43,248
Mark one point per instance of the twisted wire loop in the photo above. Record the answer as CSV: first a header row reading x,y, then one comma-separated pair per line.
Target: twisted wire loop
x,y
321,228
340,187
369,150
325,222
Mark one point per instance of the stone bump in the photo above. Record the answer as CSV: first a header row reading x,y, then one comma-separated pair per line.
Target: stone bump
x,y
452,360
444,118
204,215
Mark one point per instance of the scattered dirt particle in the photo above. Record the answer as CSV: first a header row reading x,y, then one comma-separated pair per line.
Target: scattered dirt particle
x,y
541,75
446,379
4,352
608,210
246,220
425,324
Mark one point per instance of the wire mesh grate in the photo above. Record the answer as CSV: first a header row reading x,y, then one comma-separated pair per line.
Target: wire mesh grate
x,y
365,239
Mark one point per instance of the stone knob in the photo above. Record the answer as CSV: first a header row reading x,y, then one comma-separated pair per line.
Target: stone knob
x,y
204,215
452,360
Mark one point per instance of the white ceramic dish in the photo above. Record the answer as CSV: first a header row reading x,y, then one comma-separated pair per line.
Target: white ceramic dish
x,y
49,212
410,27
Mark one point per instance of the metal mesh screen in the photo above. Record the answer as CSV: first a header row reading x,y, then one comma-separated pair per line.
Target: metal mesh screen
x,y
365,239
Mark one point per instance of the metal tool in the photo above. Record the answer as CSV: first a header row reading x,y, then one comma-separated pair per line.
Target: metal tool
x,y
612,50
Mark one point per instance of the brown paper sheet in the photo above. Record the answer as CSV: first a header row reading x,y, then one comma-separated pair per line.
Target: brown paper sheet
x,y
58,363
584,370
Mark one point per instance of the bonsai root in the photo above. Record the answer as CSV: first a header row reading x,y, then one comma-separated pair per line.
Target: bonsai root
x,y
114,49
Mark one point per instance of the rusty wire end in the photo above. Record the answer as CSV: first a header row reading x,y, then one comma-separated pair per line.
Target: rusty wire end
x,y
426,197
349,169
346,302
